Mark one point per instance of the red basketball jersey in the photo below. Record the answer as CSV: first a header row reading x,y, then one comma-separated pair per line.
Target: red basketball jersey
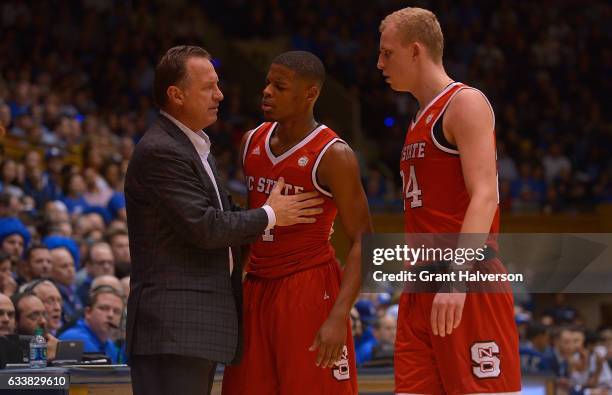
x,y
481,355
284,250
434,192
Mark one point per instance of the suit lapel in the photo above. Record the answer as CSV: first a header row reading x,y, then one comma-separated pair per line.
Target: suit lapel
x,y
178,134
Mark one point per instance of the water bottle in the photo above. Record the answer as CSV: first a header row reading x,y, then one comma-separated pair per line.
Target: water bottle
x,y
38,350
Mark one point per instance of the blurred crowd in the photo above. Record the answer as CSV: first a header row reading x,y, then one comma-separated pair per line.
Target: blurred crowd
x,y
91,96
545,66
557,342
70,281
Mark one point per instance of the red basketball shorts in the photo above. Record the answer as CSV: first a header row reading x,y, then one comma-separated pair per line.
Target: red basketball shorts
x,y
281,319
480,356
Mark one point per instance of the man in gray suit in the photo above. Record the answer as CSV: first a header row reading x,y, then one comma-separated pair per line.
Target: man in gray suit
x,y
184,308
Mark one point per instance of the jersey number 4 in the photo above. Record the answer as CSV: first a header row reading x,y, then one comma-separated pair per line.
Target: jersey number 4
x,y
411,189
268,236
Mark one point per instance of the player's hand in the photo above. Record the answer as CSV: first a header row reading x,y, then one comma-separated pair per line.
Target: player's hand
x,y
330,341
446,313
294,209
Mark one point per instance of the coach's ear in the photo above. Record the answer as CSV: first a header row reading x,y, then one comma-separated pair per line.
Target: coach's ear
x,y
175,95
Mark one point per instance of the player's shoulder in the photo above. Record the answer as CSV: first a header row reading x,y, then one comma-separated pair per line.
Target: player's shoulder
x,y
468,103
326,131
328,139
337,146
469,99
252,135
336,152
248,136
337,163
262,127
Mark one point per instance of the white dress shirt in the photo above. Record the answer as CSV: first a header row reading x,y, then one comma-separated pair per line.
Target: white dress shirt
x,y
201,142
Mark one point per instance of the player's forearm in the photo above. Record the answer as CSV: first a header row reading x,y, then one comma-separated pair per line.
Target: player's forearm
x,y
480,213
476,224
351,283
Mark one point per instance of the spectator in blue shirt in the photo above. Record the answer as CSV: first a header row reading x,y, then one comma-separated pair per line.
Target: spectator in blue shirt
x,y
536,352
116,206
73,194
54,159
384,336
102,317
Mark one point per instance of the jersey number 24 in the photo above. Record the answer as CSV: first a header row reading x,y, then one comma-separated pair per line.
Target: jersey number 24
x,y
411,189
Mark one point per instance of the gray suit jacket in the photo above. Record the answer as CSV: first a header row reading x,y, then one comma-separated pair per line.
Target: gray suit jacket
x,y
182,299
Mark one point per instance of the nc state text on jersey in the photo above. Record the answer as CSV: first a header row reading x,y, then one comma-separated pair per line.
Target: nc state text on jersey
x,y
265,185
414,150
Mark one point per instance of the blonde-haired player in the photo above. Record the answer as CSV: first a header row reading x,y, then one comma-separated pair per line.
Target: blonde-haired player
x,y
447,343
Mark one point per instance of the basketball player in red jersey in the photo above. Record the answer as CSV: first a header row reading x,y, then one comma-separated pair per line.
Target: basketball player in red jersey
x,y
296,300
447,343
